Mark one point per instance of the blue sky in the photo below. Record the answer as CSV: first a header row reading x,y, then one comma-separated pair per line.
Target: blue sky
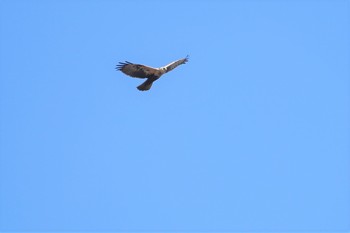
x,y
252,134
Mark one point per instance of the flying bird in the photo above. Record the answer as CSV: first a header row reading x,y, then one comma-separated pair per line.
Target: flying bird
x,y
151,74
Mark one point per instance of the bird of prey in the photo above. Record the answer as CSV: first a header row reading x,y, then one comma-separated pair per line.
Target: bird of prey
x,y
151,74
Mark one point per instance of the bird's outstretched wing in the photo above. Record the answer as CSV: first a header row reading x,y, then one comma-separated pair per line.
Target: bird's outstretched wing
x,y
136,70
175,64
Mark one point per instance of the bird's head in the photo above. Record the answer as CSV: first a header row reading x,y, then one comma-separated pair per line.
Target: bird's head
x,y
163,69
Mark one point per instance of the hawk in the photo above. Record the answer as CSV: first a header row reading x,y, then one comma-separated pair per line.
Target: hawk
x,y
151,74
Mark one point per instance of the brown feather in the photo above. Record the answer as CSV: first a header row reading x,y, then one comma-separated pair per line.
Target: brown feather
x,y
146,85
136,70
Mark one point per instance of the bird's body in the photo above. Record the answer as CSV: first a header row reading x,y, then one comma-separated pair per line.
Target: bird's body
x,y
150,73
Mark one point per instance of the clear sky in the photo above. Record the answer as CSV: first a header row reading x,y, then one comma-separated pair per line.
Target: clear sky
x,y
252,134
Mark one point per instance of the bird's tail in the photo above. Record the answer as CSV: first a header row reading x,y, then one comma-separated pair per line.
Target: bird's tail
x,y
145,86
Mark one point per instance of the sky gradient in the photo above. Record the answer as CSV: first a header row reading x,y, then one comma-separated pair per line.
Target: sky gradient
x,y
252,134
